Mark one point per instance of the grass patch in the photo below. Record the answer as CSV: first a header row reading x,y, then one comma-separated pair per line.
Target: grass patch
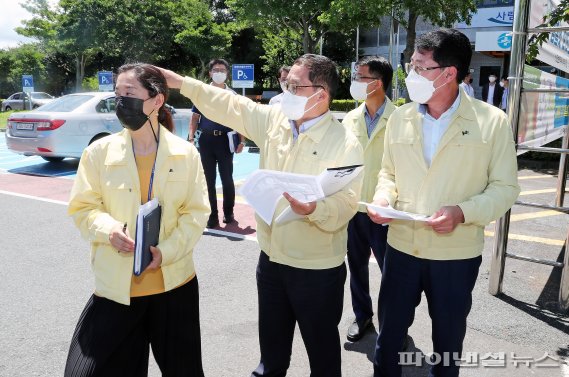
x,y
4,118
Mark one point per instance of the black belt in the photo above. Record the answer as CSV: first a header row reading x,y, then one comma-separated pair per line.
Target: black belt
x,y
214,132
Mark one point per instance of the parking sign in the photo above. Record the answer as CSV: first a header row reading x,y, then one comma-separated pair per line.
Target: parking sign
x,y
105,81
28,83
243,75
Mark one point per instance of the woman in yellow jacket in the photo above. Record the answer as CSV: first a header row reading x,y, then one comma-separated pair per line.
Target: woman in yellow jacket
x,y
160,307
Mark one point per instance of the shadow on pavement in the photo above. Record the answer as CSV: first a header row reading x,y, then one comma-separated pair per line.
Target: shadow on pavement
x,y
366,345
546,308
235,228
49,169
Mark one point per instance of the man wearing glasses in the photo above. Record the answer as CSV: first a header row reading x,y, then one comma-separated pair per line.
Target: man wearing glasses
x,y
451,157
369,84
214,149
301,271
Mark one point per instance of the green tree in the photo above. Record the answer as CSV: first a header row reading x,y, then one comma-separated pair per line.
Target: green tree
x,y
557,16
201,36
441,13
179,32
304,22
26,59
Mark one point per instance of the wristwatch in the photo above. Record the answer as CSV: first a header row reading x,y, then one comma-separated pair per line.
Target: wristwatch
x,y
242,143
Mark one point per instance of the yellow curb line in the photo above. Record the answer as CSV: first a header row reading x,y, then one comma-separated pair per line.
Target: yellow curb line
x,y
520,237
534,215
535,177
533,192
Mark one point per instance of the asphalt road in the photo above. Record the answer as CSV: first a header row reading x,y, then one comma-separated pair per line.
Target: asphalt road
x,y
45,281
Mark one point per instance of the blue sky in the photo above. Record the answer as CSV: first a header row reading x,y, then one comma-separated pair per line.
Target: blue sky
x,y
11,16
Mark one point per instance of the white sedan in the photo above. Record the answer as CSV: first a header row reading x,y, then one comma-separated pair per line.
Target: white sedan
x,y
33,101
65,126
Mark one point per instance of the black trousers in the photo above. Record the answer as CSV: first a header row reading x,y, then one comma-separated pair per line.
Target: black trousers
x,y
364,237
448,286
214,152
112,339
311,298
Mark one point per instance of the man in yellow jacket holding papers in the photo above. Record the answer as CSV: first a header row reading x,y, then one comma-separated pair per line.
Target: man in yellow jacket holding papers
x,y
301,270
451,157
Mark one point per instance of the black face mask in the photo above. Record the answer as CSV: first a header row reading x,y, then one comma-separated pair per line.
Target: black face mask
x,y
130,113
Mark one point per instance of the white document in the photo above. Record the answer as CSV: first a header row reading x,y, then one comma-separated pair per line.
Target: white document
x,y
392,213
331,180
144,210
264,188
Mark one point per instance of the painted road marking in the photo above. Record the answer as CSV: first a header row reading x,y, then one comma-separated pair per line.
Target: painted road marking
x,y
534,215
521,237
33,197
534,192
535,177
207,230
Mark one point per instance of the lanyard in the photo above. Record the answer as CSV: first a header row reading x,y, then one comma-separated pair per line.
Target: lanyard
x,y
153,165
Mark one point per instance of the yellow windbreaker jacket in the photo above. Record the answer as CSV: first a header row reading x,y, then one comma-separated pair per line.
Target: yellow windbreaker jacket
x,y
474,167
372,146
107,191
319,240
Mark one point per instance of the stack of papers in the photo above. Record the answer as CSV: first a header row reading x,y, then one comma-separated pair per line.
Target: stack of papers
x,y
264,188
147,233
392,213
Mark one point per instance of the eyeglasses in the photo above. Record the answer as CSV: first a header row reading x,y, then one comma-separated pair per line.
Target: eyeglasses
x,y
356,77
419,70
292,88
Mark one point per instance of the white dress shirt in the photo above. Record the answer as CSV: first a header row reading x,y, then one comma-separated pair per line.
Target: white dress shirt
x,y
433,129
490,98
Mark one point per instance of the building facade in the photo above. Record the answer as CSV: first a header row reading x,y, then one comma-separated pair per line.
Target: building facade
x,y
489,32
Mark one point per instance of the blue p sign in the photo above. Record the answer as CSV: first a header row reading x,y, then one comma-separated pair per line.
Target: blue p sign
x,y
28,83
243,75
105,81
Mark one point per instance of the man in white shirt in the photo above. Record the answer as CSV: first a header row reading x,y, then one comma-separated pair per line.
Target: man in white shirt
x,y
283,73
465,84
506,86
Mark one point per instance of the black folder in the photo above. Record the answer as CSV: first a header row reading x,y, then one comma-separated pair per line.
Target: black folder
x,y
147,234
234,141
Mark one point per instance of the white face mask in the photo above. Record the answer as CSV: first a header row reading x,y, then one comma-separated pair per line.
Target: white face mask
x,y
219,77
358,90
491,79
501,84
420,88
283,86
293,106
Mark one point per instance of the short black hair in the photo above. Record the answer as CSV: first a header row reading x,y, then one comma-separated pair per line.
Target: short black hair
x,y
378,67
322,71
505,77
284,68
450,47
217,61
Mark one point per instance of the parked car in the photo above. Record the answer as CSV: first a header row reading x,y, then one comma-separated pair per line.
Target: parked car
x,y
64,127
16,100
